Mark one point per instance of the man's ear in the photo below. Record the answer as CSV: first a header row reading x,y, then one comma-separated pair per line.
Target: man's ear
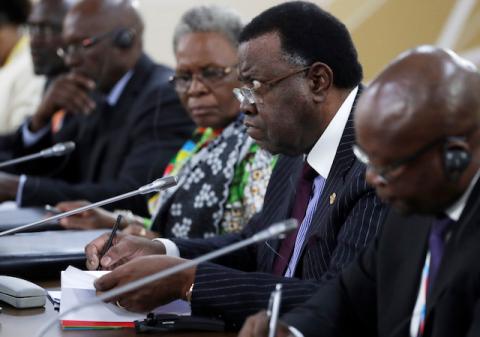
x,y
321,80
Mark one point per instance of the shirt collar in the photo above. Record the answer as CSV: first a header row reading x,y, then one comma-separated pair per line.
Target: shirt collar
x,y
323,152
19,47
455,211
117,89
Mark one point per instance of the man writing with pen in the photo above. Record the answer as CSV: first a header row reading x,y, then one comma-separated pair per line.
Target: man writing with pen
x,y
298,100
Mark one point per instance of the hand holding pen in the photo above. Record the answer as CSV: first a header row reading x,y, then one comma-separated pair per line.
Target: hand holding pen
x,y
274,309
109,242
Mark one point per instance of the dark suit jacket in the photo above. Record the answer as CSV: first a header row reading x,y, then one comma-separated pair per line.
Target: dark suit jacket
x,y
376,295
117,148
241,282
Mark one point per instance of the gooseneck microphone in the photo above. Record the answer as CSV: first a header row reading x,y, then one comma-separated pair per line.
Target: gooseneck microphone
x,y
155,186
274,230
57,150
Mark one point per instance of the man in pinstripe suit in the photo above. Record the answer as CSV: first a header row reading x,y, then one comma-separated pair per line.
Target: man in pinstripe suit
x,y
418,130
301,82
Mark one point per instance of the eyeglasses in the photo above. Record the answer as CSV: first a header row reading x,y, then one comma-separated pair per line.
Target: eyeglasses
x,y
210,76
251,95
44,30
388,172
79,48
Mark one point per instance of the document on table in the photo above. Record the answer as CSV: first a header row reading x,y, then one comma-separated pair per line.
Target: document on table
x,y
77,287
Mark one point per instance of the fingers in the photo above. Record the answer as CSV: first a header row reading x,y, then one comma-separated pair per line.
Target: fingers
x,y
118,254
107,282
125,248
69,205
139,230
255,325
82,81
73,100
153,294
69,92
247,328
93,249
75,222
93,218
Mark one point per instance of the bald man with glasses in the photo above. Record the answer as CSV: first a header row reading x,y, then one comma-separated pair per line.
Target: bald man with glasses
x,y
114,102
418,130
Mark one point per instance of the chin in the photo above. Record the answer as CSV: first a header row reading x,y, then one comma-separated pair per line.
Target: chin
x,y
417,207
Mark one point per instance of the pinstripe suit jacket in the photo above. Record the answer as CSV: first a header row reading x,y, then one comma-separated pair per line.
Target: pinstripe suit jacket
x,y
239,284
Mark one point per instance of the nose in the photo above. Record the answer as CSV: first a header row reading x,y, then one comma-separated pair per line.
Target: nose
x,y
197,87
247,107
72,59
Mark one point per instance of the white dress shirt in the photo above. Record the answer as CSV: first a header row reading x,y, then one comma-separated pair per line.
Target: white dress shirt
x,y
320,157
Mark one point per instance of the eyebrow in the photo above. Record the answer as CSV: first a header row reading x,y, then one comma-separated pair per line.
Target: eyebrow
x,y
208,65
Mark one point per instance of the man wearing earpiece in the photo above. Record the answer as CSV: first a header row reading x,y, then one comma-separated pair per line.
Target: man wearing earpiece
x,y
115,103
418,131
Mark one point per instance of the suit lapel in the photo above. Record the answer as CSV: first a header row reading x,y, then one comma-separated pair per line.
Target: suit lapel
x,y
400,256
465,231
291,169
113,120
334,184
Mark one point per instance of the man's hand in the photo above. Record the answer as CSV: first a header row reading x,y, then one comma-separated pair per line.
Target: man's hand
x,y
91,219
69,92
154,294
124,248
8,186
257,326
139,230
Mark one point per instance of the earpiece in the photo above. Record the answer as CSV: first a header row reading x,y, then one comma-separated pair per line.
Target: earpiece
x,y
124,38
456,159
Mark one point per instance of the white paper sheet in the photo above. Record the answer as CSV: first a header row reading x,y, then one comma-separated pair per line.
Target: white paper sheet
x,y
77,287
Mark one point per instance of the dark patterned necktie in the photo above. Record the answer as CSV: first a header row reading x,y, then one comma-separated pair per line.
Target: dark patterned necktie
x,y
436,244
302,197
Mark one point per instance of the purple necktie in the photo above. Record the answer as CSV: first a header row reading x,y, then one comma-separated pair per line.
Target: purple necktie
x,y
436,243
302,197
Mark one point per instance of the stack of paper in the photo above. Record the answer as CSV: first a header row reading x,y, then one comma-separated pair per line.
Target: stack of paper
x,y
77,287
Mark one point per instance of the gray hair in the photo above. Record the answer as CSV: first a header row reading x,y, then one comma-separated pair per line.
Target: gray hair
x,y
209,18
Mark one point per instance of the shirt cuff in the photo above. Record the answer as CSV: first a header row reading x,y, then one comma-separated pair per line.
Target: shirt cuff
x,y
30,137
21,183
294,331
171,248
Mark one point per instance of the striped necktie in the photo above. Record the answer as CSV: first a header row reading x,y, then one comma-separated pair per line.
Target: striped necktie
x,y
302,197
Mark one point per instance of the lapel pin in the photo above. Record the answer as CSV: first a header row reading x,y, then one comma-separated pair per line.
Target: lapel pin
x,y
332,198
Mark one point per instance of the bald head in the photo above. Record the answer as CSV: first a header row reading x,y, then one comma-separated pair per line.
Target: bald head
x,y
421,111
107,14
115,27
425,93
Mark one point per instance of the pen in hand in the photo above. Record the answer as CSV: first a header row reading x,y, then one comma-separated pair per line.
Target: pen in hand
x,y
274,309
109,242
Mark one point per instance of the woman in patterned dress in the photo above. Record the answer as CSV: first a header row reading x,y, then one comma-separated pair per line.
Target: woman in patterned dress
x,y
222,173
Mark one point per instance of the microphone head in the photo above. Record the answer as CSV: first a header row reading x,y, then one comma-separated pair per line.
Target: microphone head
x,y
159,184
277,229
58,149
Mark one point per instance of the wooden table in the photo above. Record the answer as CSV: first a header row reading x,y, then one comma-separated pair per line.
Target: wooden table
x,y
28,322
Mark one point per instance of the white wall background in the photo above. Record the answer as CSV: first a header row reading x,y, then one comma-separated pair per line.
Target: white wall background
x,y
161,16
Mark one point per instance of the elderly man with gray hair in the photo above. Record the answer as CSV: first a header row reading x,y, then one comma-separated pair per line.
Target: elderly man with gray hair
x,y
222,173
